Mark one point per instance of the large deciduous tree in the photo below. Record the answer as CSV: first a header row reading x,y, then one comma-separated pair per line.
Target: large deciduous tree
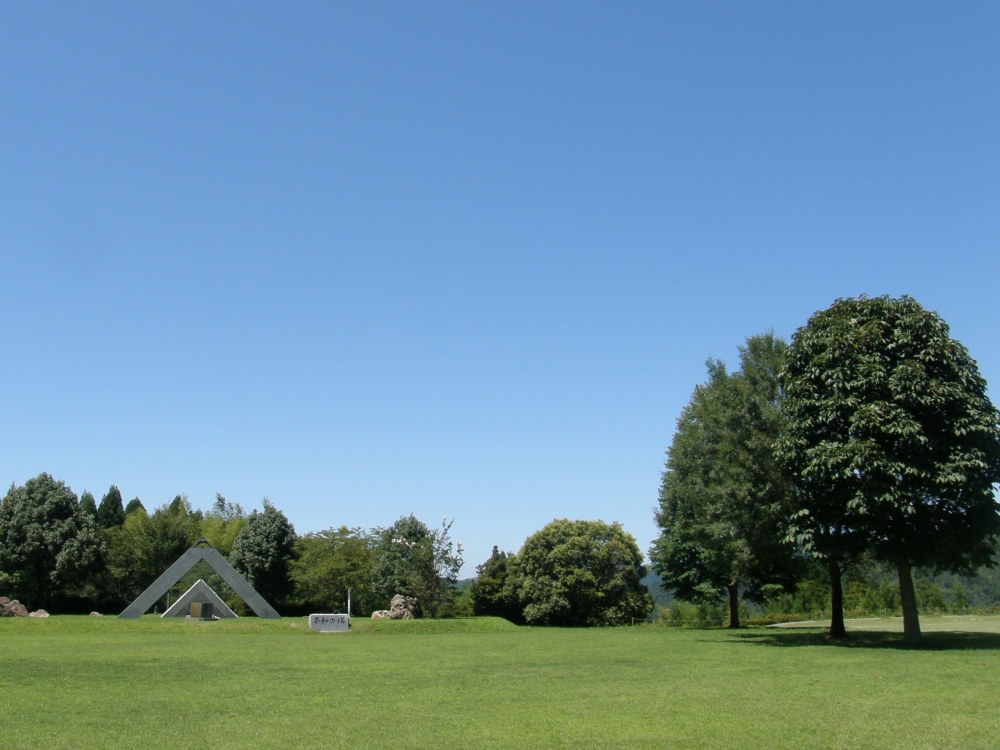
x,y
723,499
262,551
48,545
892,443
416,561
329,564
579,573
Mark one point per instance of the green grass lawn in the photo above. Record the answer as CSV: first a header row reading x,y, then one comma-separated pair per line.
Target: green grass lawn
x,y
87,682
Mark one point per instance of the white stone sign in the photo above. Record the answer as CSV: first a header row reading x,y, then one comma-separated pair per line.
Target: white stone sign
x,y
329,623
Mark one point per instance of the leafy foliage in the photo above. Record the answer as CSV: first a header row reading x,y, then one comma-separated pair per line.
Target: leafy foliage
x,y
579,573
413,560
88,505
490,594
110,512
723,499
328,563
47,543
222,524
144,546
262,550
892,442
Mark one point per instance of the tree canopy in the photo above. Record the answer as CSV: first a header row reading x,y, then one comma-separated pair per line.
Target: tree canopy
x,y
262,551
579,573
88,505
416,561
330,563
892,443
724,502
490,594
111,512
47,543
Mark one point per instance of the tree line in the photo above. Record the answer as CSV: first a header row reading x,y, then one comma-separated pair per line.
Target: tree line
x,y
868,440
70,554
866,446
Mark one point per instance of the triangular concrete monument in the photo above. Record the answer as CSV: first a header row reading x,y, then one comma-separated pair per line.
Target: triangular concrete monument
x,y
201,550
200,593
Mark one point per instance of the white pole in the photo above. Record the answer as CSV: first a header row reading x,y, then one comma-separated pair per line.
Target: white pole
x,y
348,604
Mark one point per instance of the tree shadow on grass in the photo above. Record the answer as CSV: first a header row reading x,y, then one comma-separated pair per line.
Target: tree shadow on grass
x,y
936,641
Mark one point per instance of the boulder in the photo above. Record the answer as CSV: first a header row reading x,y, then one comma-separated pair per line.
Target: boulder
x,y
402,607
96,614
39,613
12,608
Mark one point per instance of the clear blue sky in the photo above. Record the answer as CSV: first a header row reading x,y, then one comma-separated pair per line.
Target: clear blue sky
x,y
461,259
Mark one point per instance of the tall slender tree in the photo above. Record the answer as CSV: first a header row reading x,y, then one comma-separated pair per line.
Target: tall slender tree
x,y
892,443
490,595
111,511
723,499
89,505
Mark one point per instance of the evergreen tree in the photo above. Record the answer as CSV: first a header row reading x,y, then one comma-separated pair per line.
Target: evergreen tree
x,y
110,512
262,551
89,505
491,597
48,545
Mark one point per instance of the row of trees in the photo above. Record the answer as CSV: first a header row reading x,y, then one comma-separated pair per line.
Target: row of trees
x,y
68,554
869,438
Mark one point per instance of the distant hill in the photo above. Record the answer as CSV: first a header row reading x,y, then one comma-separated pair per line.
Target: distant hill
x,y
660,597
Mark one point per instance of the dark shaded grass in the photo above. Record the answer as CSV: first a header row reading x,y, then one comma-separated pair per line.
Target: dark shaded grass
x,y
938,641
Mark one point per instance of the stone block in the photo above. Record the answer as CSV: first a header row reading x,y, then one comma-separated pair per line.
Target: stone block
x,y
329,623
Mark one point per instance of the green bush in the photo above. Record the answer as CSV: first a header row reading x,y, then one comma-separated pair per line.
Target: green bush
x,y
687,615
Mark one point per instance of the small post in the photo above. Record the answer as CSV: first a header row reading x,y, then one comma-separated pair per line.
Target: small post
x,y
348,603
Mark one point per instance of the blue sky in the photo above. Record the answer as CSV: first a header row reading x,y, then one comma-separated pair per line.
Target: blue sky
x,y
460,259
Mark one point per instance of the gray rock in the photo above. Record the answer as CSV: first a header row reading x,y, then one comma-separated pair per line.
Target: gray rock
x,y
12,608
96,614
39,613
402,607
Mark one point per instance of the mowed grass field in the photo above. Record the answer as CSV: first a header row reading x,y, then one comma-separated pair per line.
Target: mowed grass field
x,y
79,682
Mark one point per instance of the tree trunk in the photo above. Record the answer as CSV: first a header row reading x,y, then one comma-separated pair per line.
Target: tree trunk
x,y
837,629
734,605
911,620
